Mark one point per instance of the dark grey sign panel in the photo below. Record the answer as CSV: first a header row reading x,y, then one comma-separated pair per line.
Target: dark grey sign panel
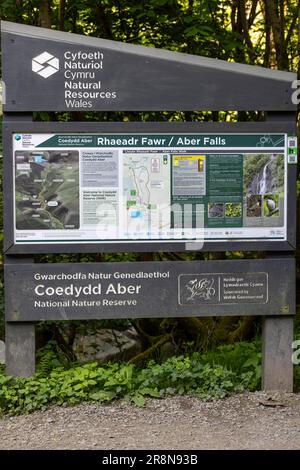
x,y
152,289
46,70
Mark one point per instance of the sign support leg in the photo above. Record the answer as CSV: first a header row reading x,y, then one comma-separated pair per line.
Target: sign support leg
x,y
277,366
20,349
19,336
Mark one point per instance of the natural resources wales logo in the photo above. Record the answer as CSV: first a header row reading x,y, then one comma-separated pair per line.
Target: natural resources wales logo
x,y
45,64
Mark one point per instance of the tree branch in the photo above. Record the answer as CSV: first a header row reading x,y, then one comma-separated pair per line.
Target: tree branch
x,y
244,22
252,14
275,22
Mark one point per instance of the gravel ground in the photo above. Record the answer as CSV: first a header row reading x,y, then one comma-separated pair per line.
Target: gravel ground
x,y
246,421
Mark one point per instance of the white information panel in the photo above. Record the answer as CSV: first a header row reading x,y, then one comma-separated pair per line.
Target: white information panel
x,y
103,188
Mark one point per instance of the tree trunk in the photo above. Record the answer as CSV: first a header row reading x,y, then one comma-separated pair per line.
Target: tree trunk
x,y
267,54
102,20
45,14
62,12
278,25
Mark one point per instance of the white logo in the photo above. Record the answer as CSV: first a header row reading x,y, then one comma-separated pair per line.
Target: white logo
x,y
45,64
202,288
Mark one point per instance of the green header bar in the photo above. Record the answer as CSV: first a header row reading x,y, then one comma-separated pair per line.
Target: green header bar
x,y
165,140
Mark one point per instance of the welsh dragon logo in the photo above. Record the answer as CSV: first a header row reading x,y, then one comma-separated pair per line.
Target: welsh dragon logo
x,y
201,288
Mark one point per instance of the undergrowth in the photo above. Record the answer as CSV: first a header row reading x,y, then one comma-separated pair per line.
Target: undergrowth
x,y
229,369
201,375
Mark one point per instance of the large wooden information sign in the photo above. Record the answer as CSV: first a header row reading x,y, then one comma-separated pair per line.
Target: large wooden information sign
x,y
84,187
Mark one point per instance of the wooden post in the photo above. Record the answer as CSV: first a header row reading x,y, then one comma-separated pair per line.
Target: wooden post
x,y
277,366
19,337
20,349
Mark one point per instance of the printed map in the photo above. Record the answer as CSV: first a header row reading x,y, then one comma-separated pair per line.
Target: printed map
x,y
146,191
47,189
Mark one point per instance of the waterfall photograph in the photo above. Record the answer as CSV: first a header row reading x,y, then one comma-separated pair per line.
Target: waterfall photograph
x,y
264,189
263,174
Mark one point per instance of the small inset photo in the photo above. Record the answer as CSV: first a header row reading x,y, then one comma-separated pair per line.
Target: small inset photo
x,y
254,205
271,205
200,165
233,209
215,210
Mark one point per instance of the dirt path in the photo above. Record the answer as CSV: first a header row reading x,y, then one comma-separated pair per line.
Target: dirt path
x,y
247,421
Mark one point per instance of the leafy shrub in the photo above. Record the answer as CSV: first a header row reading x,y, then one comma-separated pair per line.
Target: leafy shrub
x,y
243,357
51,356
189,375
229,369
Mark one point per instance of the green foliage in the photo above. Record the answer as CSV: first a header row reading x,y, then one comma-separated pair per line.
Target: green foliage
x,y
230,369
233,209
50,357
241,357
280,170
206,27
297,377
